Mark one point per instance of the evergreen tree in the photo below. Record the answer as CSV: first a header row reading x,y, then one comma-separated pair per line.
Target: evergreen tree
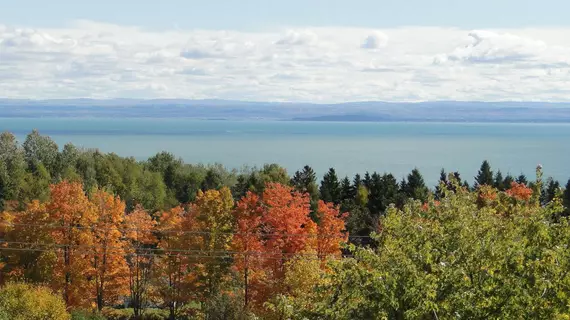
x,y
442,180
375,195
485,175
522,179
549,191
508,181
347,192
499,181
390,190
330,187
415,186
356,182
305,181
367,181
383,192
566,196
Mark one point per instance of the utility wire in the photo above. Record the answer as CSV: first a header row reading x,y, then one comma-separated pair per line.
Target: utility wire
x,y
190,232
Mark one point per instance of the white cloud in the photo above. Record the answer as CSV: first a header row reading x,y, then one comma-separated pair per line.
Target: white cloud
x,y
295,38
375,41
97,60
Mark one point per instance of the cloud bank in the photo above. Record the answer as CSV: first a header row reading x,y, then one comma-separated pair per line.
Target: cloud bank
x,y
96,60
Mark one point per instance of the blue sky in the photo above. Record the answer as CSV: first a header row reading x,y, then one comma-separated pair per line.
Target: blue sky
x,y
260,14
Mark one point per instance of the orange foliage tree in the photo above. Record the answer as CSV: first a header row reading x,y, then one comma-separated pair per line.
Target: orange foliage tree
x,y
139,233
27,229
519,191
174,275
108,260
331,230
73,214
286,223
248,245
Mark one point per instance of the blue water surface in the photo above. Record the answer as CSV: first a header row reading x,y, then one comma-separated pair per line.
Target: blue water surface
x,y
349,147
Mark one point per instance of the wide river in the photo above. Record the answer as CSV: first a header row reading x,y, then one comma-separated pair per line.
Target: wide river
x,y
348,147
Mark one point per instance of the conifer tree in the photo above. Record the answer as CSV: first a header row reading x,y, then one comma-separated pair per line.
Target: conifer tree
x,y
439,192
305,181
522,179
549,191
508,181
357,182
347,191
330,187
415,186
484,176
499,181
566,196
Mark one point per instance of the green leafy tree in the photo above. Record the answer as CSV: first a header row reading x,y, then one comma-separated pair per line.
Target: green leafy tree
x,y
67,163
40,149
484,176
330,187
36,184
255,181
212,181
150,191
454,260
12,168
167,165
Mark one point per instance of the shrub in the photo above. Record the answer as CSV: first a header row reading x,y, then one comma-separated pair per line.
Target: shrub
x,y
86,315
118,314
154,314
22,301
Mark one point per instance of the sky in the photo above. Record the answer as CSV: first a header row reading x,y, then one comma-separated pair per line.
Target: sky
x,y
295,50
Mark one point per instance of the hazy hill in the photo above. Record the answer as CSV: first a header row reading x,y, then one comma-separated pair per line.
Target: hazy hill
x,y
352,111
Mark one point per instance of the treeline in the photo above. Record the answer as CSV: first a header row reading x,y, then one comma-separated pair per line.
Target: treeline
x,y
185,241
164,181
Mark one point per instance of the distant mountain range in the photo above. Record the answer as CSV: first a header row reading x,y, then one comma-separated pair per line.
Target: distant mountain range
x,y
440,111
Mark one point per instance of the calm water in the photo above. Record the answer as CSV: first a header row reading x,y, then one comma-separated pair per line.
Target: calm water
x,y
349,147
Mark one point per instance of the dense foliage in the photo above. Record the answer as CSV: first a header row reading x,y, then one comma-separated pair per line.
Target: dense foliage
x,y
20,301
118,238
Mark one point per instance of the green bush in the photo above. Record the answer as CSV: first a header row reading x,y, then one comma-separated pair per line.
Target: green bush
x,y
118,314
154,314
128,314
22,301
86,315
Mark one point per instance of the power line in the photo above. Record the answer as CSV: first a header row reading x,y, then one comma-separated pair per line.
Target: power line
x,y
196,256
161,251
190,232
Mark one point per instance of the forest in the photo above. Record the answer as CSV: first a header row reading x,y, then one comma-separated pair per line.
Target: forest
x,y
90,235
